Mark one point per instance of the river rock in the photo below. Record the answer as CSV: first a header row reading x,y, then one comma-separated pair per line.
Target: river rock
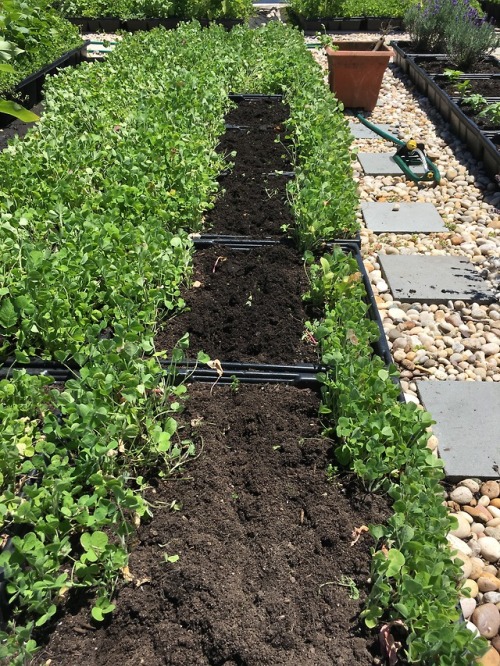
x,y
490,548
460,546
468,606
471,585
491,488
490,658
461,495
486,618
463,529
492,597
479,513
477,567
471,484
487,582
493,532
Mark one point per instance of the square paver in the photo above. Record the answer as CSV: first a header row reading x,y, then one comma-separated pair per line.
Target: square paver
x,y
383,164
403,218
360,131
467,416
422,279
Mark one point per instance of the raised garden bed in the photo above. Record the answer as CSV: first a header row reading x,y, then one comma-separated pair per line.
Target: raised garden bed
x,y
267,573
479,143
110,24
347,24
29,91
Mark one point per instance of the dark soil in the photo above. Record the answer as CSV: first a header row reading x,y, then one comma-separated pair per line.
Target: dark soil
x,y
248,308
484,87
253,201
17,128
264,545
439,66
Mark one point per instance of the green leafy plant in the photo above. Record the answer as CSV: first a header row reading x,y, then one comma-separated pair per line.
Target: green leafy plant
x,y
492,113
455,27
476,102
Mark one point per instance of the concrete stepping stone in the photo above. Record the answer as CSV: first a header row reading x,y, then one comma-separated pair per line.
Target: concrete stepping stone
x,y
422,279
360,131
403,218
383,164
467,416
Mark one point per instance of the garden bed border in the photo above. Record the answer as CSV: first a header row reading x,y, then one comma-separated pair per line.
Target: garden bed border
x,y
31,88
478,142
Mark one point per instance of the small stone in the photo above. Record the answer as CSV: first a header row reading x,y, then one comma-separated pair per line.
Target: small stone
x,y
479,513
477,528
460,546
487,582
492,597
490,348
493,523
492,532
471,484
463,529
461,495
484,500
490,548
487,619
495,502
382,287
472,587
491,488
396,314
464,562
490,658
495,512
477,567
468,606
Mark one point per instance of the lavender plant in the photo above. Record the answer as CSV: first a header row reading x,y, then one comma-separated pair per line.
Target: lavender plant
x,y
455,27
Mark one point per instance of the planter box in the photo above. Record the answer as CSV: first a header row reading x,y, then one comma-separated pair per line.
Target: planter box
x,y
348,24
479,143
30,88
356,73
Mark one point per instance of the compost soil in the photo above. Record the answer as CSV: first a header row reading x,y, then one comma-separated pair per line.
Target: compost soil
x,y
269,572
248,307
253,198
439,66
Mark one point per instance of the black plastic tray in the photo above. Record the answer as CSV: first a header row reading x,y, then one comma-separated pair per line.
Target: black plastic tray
x,y
30,88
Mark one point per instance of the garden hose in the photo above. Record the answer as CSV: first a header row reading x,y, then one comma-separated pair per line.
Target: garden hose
x,y
408,154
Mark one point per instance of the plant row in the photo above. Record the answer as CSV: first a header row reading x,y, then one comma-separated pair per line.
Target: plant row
x,y
312,9
39,36
97,205
140,9
415,580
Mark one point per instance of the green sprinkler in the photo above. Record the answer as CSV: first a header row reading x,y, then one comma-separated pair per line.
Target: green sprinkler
x,y
409,154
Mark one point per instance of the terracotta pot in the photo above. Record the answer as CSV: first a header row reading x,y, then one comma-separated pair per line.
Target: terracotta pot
x,y
356,72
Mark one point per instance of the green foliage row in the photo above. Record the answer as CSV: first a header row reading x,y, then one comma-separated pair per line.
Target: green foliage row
x,y
135,9
39,31
313,9
95,212
98,200
414,578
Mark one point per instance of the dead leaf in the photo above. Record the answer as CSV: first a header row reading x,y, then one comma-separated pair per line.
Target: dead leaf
x,y
388,643
142,581
127,576
352,337
357,532
216,365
